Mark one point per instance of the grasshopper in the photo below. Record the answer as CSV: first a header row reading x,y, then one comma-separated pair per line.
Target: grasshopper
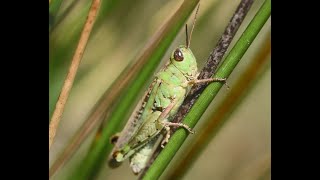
x,y
153,115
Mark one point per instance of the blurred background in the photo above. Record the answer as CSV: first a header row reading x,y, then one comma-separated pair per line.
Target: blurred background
x,y
241,148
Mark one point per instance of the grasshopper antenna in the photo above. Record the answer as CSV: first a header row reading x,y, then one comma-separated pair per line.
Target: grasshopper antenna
x,y
194,21
187,40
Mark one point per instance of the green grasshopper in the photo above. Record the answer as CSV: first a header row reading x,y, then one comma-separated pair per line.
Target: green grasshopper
x,y
154,113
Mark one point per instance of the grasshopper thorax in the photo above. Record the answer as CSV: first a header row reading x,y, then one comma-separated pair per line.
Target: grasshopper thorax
x,y
183,59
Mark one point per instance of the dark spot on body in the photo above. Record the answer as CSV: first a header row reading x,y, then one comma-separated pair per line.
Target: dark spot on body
x,y
159,108
114,139
115,154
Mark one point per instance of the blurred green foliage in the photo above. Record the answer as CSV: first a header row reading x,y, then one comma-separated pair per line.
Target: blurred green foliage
x,y
122,29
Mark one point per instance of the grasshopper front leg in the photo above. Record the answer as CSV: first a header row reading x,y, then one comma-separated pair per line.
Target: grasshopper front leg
x,y
198,81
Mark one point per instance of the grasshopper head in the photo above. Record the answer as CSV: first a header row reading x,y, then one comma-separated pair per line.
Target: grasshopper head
x,y
183,59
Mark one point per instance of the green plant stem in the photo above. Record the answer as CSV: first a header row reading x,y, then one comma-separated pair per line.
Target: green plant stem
x,y
211,91
244,84
212,63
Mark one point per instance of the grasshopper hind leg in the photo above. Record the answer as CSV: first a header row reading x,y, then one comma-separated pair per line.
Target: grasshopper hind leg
x,y
141,158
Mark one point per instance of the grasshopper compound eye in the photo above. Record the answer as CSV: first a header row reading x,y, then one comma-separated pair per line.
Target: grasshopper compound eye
x,y
178,56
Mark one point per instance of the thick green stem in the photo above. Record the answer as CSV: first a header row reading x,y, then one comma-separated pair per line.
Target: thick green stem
x,y
240,89
211,91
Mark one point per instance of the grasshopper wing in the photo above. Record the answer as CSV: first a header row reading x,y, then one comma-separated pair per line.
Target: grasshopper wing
x,y
134,123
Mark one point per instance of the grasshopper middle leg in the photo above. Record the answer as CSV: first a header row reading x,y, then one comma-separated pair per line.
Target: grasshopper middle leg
x,y
162,121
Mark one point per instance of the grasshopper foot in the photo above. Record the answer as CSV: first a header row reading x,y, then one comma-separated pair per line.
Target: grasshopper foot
x,y
167,127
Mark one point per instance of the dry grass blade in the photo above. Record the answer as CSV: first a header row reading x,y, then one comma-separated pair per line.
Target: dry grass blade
x,y
56,117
